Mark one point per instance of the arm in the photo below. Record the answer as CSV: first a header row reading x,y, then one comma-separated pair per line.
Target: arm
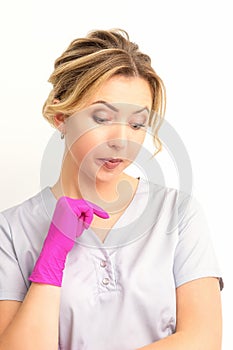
x,y
199,318
8,309
34,323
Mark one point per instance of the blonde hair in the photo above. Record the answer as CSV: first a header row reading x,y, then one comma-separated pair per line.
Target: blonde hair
x,y
89,62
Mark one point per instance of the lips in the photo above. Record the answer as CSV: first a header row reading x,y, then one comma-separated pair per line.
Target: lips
x,y
110,163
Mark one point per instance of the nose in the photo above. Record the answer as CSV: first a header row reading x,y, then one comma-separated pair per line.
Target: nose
x,y
118,137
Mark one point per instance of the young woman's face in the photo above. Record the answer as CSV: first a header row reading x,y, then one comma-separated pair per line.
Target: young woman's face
x,y
105,138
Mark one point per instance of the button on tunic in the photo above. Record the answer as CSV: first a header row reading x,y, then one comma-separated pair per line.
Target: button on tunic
x,y
120,294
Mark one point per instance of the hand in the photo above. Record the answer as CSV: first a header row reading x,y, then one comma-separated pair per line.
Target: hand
x,y
71,217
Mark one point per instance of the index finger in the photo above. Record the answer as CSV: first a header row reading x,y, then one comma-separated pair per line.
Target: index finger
x,y
98,211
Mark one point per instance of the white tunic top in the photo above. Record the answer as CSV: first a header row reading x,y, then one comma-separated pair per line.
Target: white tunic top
x,y
120,294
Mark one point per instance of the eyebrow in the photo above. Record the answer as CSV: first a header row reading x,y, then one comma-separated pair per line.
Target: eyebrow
x,y
117,110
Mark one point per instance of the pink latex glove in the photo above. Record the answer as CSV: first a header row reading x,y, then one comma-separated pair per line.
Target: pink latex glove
x,y
71,217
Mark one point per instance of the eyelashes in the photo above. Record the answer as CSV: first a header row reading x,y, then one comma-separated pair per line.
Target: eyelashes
x,y
100,120
108,121
137,126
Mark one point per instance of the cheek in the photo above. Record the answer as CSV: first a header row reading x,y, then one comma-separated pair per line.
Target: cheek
x,y
141,136
84,145
135,145
137,139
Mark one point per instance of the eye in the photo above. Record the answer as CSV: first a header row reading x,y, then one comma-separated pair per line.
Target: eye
x,y
101,116
137,126
100,120
138,122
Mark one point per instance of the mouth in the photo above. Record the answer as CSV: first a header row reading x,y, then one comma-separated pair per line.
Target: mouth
x,y
110,163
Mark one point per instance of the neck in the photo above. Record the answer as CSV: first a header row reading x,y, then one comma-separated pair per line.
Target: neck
x,y
113,196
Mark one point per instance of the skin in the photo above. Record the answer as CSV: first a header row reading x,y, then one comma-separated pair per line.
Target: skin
x,y
101,132
107,140
28,325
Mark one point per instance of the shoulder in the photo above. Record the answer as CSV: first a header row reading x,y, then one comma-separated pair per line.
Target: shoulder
x,y
37,206
175,207
159,206
169,197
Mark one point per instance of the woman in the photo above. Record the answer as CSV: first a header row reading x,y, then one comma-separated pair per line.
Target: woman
x,y
102,260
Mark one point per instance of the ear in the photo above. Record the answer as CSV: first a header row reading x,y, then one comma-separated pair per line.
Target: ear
x,y
59,119
59,122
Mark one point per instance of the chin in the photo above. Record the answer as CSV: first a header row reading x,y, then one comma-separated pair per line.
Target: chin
x,y
103,176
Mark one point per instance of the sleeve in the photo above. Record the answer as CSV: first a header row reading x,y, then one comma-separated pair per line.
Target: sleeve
x,y
194,255
12,284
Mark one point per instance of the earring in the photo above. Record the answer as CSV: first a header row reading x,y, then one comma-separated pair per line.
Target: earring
x,y
62,135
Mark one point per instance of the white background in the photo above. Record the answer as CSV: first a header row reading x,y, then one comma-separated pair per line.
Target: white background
x,y
190,43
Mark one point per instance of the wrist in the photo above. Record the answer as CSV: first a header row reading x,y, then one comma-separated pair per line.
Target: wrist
x,y
51,262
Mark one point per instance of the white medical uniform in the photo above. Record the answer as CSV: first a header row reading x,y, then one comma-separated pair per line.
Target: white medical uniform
x,y
120,294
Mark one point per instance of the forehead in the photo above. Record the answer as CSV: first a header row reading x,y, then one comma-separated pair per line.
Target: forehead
x,y
125,90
